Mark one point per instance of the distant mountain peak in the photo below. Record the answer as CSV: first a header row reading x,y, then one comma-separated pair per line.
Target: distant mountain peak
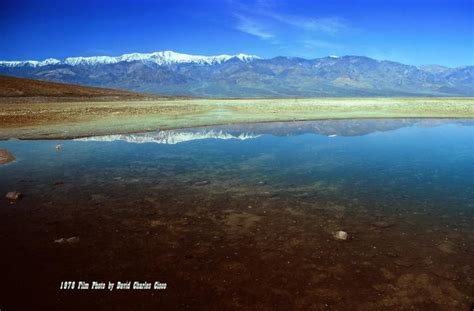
x,y
434,68
158,58
241,75
31,63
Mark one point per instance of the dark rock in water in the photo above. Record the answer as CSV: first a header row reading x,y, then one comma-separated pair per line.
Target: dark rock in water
x,y
382,224
202,183
447,247
13,195
6,156
98,198
392,254
403,263
70,240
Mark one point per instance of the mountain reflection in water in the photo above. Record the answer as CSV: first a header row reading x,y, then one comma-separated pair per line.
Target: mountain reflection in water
x,y
170,137
329,128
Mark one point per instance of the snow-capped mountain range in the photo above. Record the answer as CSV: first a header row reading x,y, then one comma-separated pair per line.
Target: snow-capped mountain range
x,y
157,58
242,75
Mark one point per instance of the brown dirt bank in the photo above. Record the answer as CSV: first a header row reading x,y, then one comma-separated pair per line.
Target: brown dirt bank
x,y
20,90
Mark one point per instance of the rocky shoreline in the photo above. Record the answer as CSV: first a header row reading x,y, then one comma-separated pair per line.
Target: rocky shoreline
x,y
6,157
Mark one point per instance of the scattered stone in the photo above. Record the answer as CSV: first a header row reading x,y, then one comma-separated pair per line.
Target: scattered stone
x,y
445,274
403,263
428,261
13,195
387,274
6,156
59,147
98,198
341,235
202,183
70,240
466,269
392,254
447,247
382,224
73,239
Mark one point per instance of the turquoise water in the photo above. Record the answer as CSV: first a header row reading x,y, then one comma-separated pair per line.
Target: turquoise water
x,y
230,214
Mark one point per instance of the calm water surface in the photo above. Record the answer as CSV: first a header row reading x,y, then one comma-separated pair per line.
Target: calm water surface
x,y
243,216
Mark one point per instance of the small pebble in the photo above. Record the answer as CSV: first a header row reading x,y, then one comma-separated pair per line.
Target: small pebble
x,y
13,195
341,235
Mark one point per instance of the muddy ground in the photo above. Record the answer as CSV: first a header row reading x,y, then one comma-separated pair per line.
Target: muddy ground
x,y
226,251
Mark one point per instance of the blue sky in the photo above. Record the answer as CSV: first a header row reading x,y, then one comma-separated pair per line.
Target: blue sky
x,y
414,32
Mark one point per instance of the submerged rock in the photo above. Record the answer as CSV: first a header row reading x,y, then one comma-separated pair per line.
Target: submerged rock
x,y
406,263
341,235
447,247
446,274
392,254
6,156
382,224
73,239
59,147
70,240
13,195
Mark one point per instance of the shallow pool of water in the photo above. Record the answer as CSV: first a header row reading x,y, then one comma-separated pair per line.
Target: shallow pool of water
x,y
245,215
